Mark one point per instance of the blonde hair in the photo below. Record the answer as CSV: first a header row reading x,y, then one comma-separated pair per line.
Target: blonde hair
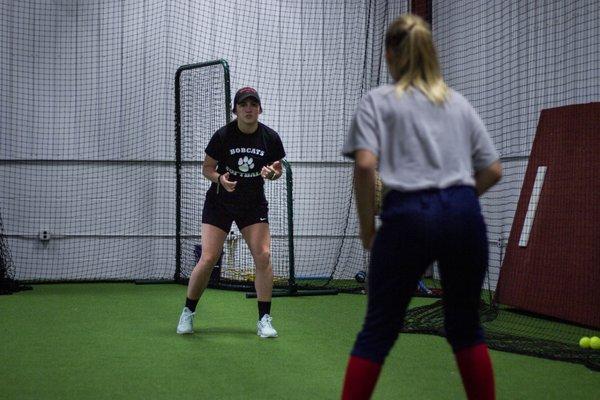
x,y
412,58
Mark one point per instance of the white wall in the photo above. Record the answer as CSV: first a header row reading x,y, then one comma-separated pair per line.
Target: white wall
x,y
86,134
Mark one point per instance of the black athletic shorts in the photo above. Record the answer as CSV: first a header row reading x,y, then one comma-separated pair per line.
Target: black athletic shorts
x,y
222,215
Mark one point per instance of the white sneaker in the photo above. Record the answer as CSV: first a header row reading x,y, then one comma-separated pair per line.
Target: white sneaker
x,y
264,329
186,322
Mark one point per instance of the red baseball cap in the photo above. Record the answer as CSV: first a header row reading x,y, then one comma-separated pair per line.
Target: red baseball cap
x,y
245,93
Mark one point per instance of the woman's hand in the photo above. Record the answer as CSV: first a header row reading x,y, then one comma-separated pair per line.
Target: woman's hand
x,y
272,172
226,183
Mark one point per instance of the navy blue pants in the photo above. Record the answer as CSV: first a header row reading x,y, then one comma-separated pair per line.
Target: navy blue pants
x,y
418,228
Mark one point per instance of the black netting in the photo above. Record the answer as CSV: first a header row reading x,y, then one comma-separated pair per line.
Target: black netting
x,y
8,284
515,331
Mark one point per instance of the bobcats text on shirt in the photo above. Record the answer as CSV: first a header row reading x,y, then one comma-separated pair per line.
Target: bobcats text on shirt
x,y
243,156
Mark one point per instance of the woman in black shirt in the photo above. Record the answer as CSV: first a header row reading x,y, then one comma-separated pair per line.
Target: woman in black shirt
x,y
239,157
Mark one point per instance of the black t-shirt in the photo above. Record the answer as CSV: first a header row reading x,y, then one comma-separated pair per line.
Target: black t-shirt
x,y
243,156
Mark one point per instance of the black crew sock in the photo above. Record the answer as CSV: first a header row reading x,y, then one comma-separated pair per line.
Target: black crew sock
x,y
191,304
264,307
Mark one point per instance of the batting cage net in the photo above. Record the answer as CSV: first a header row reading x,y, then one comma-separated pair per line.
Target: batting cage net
x,y
88,151
531,72
97,185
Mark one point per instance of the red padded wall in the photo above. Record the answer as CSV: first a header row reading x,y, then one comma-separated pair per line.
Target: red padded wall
x,y
558,273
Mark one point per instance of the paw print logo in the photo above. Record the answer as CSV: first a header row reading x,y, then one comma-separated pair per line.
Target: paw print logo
x,y
245,164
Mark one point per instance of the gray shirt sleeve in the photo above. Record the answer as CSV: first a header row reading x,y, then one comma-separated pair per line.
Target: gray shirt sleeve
x,y
363,130
483,152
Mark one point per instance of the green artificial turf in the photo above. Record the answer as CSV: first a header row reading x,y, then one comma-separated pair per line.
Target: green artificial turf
x,y
118,341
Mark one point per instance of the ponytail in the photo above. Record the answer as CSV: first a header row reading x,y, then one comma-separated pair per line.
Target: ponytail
x,y
412,58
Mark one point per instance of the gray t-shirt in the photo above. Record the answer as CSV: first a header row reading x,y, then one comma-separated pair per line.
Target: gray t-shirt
x,y
420,145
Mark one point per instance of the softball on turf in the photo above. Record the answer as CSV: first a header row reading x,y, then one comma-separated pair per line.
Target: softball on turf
x,y
595,343
584,342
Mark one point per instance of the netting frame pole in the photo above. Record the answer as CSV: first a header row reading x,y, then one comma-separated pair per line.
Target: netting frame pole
x,y
290,214
178,161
